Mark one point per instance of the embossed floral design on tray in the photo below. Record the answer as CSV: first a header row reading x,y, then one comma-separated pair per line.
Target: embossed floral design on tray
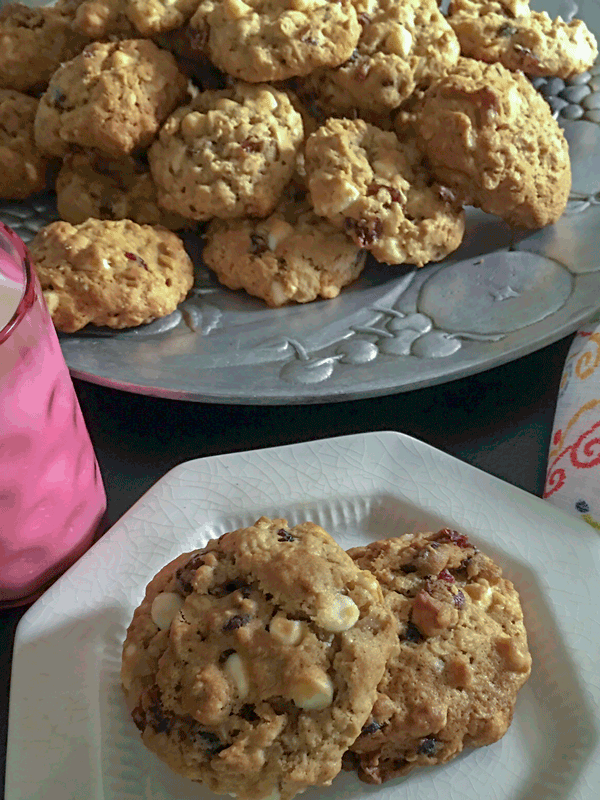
x,y
502,294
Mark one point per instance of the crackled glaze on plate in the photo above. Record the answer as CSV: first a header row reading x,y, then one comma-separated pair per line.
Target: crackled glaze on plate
x,y
70,736
503,294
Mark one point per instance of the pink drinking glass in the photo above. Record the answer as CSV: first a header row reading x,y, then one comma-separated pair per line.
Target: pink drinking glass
x,y
51,493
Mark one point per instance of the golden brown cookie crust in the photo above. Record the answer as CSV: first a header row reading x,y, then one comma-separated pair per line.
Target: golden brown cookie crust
x,y
23,169
271,40
228,154
292,256
90,184
463,653
377,189
491,137
401,46
252,663
113,97
510,33
33,44
118,274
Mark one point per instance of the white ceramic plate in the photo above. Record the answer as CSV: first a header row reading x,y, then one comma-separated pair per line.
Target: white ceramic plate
x,y
70,737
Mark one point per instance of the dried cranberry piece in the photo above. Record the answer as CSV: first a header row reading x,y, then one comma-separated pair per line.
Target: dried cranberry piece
x,y
159,719
285,536
206,740
459,599
370,728
258,245
427,747
183,576
446,576
362,71
459,539
138,259
367,232
235,622
412,634
229,587
394,193
250,145
139,717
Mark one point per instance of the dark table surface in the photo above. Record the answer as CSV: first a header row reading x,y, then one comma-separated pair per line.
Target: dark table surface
x,y
499,421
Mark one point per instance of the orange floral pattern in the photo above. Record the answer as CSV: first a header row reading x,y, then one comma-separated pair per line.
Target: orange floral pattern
x,y
573,475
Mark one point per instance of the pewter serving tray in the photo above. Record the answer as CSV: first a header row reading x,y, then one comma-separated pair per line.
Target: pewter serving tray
x,y
501,295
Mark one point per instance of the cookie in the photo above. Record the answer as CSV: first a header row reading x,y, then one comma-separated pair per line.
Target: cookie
x,y
92,185
271,40
99,18
110,273
33,43
251,664
463,654
23,168
113,97
292,256
402,46
491,137
228,154
378,190
509,33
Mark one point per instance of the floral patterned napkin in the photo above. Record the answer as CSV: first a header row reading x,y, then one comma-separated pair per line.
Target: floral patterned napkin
x,y
573,477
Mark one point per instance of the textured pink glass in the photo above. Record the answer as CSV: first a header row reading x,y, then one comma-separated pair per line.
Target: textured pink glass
x,y
51,493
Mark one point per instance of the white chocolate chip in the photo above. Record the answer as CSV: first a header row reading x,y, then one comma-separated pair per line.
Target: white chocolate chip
x,y
341,615
268,99
399,41
235,669
286,631
236,9
278,295
277,231
313,692
165,607
480,593
193,124
340,199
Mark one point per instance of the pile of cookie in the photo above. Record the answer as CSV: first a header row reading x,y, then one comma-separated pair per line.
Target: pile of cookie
x,y
302,134
270,659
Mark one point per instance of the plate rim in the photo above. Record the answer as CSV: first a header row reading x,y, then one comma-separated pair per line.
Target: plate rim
x,y
525,505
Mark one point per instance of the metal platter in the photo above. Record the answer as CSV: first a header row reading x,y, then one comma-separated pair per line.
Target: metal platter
x,y
503,294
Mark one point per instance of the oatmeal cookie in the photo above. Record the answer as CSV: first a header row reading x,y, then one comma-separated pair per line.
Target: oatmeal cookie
x,y
23,168
113,97
99,18
251,664
33,43
91,185
463,654
508,32
118,274
378,190
491,137
402,46
228,154
292,256
271,40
